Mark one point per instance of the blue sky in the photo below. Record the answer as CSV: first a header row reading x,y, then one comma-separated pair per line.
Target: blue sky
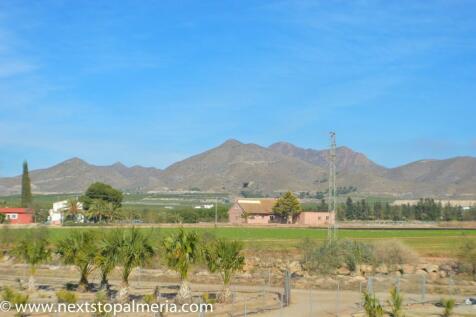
x,y
152,82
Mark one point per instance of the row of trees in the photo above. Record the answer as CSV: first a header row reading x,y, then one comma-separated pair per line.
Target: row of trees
x,y
288,208
128,249
425,210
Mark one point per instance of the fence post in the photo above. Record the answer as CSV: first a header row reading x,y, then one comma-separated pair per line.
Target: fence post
x,y
287,287
337,298
370,285
310,301
281,305
360,292
423,288
451,285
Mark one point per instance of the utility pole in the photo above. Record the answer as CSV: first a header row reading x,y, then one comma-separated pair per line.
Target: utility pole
x,y
216,211
332,201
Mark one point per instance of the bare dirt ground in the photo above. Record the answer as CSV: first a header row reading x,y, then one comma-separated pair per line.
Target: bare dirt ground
x,y
248,299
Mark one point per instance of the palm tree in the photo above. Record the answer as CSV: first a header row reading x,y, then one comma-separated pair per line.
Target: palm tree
x,y
108,255
135,250
34,250
448,305
80,250
372,306
72,208
181,251
100,210
224,257
396,303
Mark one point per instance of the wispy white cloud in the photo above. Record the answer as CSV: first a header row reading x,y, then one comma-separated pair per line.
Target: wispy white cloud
x,y
14,68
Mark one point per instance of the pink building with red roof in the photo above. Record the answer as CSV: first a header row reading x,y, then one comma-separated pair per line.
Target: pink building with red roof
x,y
15,216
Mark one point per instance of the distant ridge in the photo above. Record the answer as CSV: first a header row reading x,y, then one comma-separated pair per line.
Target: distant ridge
x,y
236,167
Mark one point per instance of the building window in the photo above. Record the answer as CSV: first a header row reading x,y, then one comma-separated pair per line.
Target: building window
x,y
327,217
12,216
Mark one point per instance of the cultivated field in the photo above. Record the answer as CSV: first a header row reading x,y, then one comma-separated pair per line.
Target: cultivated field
x,y
427,242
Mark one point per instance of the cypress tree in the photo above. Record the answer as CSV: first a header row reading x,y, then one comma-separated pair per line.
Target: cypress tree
x,y
26,197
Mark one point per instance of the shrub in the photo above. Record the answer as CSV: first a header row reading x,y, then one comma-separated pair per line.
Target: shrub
x,y
394,253
325,259
355,253
149,299
101,297
372,306
467,256
65,296
14,298
396,303
448,306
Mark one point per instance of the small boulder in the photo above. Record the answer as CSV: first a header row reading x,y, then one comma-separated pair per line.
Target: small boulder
x,y
295,268
408,268
431,268
421,272
343,271
382,269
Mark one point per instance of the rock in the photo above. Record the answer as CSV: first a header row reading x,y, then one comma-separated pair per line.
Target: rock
x,y
295,268
431,268
382,269
443,274
202,273
250,264
366,269
408,268
358,279
421,272
245,275
433,275
343,271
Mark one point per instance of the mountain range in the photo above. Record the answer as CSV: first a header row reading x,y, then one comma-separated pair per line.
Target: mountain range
x,y
235,167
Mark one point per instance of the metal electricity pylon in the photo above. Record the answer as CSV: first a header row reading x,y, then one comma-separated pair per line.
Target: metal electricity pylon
x,y
332,203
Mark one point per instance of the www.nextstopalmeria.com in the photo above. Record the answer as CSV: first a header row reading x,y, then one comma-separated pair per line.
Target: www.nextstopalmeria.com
x,y
109,308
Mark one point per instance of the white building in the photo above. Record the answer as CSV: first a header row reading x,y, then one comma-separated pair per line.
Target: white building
x,y
56,214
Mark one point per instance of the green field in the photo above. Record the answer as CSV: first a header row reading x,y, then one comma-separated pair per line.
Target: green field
x,y
425,242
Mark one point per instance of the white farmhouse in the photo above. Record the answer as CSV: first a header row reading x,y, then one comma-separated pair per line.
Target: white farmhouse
x,y
56,214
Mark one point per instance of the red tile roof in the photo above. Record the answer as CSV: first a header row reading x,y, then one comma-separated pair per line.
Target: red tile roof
x,y
15,210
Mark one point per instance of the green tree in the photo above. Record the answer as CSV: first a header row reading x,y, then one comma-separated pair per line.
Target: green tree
x,y
80,250
182,250
101,210
395,303
372,306
349,209
225,258
103,192
2,218
34,250
26,197
287,206
135,250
